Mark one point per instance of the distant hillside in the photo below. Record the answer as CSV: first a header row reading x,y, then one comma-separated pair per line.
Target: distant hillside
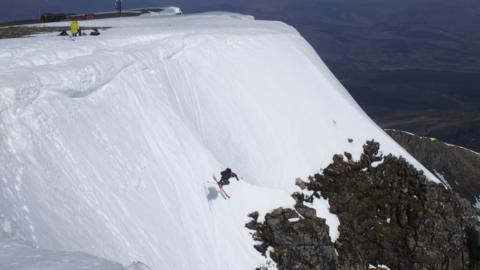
x,y
459,128
460,167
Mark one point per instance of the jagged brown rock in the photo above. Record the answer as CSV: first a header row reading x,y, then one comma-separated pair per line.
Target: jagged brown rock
x,y
389,214
298,243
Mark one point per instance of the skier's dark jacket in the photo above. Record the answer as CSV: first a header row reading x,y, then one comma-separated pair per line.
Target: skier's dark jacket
x,y
227,174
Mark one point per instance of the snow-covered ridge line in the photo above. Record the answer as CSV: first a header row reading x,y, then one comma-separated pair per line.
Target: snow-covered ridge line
x,y
63,78
435,139
108,143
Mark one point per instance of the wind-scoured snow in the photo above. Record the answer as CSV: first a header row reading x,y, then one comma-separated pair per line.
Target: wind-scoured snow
x,y
380,266
442,179
19,256
477,202
108,143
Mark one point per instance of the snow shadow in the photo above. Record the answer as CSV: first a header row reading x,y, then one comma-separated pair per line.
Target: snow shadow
x,y
212,194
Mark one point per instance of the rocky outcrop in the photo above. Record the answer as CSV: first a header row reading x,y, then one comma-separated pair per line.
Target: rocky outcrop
x,y
297,243
460,167
389,213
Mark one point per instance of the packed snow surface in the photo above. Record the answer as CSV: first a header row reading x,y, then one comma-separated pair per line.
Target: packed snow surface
x,y
17,255
108,143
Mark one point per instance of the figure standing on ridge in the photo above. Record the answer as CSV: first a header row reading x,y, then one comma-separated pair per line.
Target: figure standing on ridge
x,y
74,27
118,7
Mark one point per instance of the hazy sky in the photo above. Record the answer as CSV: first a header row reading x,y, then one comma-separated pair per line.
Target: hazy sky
x,y
27,9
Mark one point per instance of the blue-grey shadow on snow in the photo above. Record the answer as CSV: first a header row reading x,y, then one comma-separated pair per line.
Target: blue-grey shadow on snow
x,y
212,194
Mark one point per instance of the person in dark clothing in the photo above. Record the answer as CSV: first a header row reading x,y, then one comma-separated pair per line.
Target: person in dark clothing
x,y
63,33
118,7
226,175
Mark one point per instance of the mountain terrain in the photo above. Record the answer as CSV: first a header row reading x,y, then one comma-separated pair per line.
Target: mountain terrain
x,y
458,167
108,145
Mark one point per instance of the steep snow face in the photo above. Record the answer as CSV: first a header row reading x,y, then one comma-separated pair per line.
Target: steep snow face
x,y
108,143
17,255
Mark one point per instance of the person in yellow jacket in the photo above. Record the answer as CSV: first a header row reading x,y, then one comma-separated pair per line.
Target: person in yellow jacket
x,y
74,27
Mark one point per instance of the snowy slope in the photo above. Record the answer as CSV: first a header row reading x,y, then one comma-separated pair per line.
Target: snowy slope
x,y
108,144
16,255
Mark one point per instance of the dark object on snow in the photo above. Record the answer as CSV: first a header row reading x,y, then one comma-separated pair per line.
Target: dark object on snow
x,y
350,140
226,175
94,32
80,32
53,17
63,33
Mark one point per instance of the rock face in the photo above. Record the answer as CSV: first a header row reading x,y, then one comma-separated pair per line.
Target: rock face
x,y
459,166
389,213
298,243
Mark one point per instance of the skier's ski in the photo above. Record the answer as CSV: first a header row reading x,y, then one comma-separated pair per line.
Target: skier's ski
x,y
222,191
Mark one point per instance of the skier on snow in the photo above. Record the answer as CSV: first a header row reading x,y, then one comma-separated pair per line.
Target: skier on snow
x,y
226,175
